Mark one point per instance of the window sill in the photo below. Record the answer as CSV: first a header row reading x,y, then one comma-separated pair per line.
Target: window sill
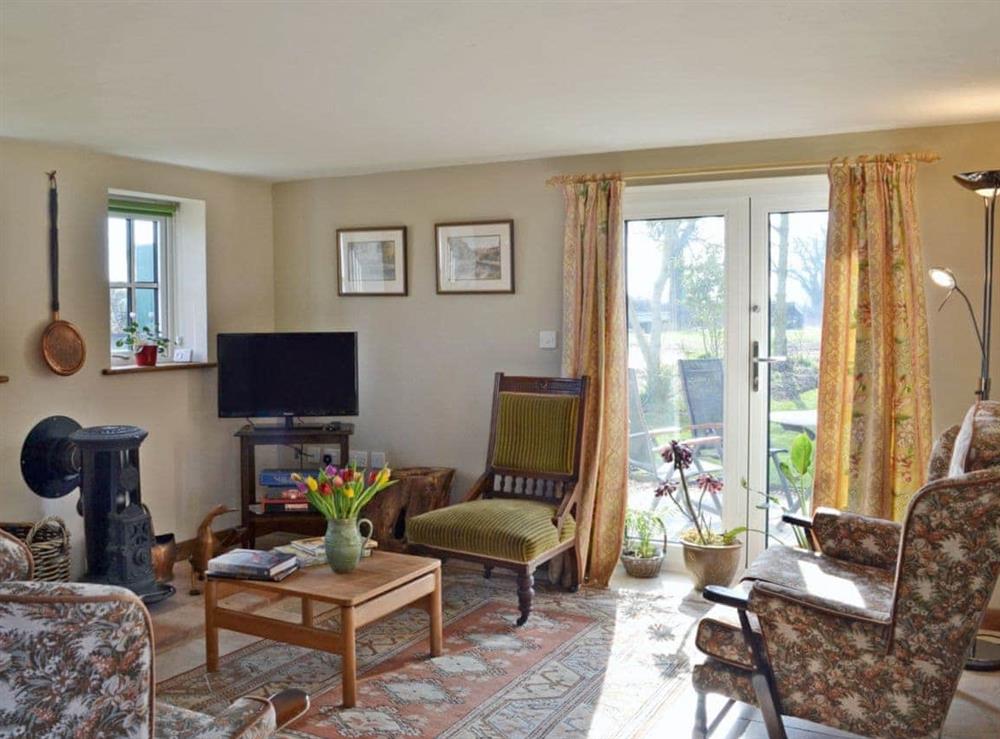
x,y
128,369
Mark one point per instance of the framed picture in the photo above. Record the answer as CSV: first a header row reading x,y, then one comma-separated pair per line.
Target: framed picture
x,y
371,261
475,257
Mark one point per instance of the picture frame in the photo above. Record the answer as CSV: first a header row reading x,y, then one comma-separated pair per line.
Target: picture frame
x,y
371,261
474,257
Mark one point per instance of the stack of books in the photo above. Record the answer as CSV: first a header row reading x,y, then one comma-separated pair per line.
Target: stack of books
x,y
312,551
285,501
253,564
308,551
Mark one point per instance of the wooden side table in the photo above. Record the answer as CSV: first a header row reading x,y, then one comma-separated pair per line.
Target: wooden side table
x,y
382,584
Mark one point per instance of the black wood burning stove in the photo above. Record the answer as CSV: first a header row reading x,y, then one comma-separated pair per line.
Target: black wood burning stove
x,y
117,526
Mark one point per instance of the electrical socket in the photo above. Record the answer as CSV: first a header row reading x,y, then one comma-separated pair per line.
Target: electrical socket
x,y
359,458
331,455
378,460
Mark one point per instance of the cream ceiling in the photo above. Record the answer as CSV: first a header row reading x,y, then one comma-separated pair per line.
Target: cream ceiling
x,y
299,89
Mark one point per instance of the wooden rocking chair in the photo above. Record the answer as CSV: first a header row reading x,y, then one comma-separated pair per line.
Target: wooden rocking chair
x,y
520,513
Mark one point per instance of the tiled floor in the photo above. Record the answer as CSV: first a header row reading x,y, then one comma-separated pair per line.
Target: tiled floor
x,y
178,626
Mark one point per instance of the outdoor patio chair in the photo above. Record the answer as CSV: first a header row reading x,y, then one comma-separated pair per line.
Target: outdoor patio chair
x,y
645,446
704,390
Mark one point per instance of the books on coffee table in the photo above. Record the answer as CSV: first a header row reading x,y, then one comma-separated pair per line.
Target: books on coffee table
x,y
253,564
312,551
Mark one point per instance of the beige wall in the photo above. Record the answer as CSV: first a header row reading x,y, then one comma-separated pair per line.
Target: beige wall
x,y
190,460
427,360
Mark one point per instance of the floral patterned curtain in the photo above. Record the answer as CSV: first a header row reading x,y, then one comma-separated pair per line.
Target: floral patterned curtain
x,y
595,344
874,427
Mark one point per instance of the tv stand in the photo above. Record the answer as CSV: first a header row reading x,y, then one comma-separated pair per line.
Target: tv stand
x,y
251,437
290,425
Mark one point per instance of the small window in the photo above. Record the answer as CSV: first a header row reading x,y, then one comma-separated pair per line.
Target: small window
x,y
139,250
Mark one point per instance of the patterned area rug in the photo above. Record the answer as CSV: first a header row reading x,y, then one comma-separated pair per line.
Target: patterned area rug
x,y
597,663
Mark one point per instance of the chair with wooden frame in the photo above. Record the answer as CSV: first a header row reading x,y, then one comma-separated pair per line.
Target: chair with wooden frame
x,y
520,513
868,630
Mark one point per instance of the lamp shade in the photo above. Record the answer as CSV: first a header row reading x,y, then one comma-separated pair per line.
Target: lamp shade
x,y
985,183
942,277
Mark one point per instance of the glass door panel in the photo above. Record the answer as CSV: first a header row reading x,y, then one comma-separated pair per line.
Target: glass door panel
x,y
788,251
724,279
797,254
676,330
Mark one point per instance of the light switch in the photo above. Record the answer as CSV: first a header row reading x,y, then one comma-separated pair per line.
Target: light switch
x,y
547,339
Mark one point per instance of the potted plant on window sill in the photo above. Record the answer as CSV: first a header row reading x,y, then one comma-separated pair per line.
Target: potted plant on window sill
x,y
711,557
641,556
144,342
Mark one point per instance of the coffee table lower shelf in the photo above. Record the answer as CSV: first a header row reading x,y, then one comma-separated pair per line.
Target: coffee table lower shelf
x,y
364,596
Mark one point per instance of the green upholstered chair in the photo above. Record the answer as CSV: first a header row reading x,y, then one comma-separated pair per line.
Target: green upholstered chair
x,y
519,513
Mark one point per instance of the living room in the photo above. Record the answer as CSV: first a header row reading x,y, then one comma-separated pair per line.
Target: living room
x,y
637,197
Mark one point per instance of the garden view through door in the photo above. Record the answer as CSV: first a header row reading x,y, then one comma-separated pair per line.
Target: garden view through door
x,y
796,249
676,316
725,297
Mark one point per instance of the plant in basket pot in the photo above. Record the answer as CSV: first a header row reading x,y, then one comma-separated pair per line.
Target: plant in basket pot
x,y
711,557
144,342
340,495
641,555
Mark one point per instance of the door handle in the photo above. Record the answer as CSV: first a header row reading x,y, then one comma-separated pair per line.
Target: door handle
x,y
756,360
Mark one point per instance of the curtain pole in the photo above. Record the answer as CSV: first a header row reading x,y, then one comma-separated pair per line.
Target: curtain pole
x,y
817,165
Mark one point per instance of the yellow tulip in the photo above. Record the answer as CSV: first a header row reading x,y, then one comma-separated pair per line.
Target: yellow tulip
x,y
312,484
349,492
383,476
296,477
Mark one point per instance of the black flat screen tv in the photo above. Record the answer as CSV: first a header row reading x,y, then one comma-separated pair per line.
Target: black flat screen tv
x,y
283,375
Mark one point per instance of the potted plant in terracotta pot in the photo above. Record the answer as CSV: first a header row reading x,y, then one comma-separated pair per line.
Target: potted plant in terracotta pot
x,y
641,555
144,342
711,557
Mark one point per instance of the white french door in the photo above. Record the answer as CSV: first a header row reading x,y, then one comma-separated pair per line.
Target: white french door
x,y
721,275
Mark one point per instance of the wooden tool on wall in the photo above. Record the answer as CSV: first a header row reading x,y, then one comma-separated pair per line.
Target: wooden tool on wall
x,y
62,343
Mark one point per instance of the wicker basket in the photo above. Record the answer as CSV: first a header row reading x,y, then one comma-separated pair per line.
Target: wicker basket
x,y
48,541
643,566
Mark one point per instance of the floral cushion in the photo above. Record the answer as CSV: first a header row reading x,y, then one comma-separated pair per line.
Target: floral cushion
x,y
247,718
860,539
940,461
977,446
858,589
76,660
715,676
15,558
720,636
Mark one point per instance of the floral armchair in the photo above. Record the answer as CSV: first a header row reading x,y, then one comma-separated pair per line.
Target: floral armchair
x,y
76,660
869,632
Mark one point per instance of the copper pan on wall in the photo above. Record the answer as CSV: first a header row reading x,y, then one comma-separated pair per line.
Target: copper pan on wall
x,y
62,343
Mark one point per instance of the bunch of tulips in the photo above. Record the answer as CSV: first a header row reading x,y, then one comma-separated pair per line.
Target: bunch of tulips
x,y
341,494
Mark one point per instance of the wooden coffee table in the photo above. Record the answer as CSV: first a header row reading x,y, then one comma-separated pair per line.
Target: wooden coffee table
x,y
382,584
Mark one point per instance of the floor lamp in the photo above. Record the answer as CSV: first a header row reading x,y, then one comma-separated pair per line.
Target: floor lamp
x,y
987,185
